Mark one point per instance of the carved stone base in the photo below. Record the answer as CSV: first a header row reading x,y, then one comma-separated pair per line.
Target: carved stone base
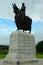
x,y
21,49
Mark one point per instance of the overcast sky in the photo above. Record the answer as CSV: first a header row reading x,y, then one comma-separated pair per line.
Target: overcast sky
x,y
34,8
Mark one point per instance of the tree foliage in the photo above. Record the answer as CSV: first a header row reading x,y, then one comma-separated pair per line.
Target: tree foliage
x,y
39,47
4,49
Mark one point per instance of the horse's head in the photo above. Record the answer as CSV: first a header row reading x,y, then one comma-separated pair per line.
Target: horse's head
x,y
15,9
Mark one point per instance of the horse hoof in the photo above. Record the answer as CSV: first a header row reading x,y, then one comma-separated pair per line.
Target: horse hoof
x,y
23,30
29,31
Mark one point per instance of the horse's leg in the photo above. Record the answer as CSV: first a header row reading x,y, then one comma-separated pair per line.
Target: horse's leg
x,y
17,29
30,31
23,30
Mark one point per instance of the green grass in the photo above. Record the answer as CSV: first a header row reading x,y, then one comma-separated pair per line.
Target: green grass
x,y
39,55
3,55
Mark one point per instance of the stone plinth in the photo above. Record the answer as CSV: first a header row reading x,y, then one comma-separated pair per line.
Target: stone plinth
x,y
21,48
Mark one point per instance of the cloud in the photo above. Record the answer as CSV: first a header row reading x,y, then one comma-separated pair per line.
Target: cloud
x,y
7,25
34,8
3,28
6,9
40,28
38,11
38,37
4,39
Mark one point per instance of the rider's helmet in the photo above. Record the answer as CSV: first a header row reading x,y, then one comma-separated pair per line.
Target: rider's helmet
x,y
23,4
14,4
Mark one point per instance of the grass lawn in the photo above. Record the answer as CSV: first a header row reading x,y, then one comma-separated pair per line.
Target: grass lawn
x,y
3,55
39,55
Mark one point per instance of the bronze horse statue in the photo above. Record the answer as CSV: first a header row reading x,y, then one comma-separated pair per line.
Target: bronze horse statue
x,y
23,25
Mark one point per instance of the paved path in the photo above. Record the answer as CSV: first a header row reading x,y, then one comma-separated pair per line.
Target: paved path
x,y
1,61
39,63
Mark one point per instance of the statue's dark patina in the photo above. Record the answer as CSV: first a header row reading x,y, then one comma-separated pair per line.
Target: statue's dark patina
x,y
23,24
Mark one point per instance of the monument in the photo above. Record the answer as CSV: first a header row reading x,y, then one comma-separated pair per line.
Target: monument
x,y
22,21
22,45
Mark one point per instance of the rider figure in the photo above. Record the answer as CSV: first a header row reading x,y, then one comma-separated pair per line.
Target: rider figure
x,y
23,11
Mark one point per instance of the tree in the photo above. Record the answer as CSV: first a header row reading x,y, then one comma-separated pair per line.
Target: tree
x,y
39,47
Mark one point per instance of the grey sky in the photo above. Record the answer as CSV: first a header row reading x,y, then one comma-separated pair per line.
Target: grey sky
x,y
34,8
4,39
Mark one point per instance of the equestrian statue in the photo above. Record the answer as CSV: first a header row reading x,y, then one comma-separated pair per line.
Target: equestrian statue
x,y
22,21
